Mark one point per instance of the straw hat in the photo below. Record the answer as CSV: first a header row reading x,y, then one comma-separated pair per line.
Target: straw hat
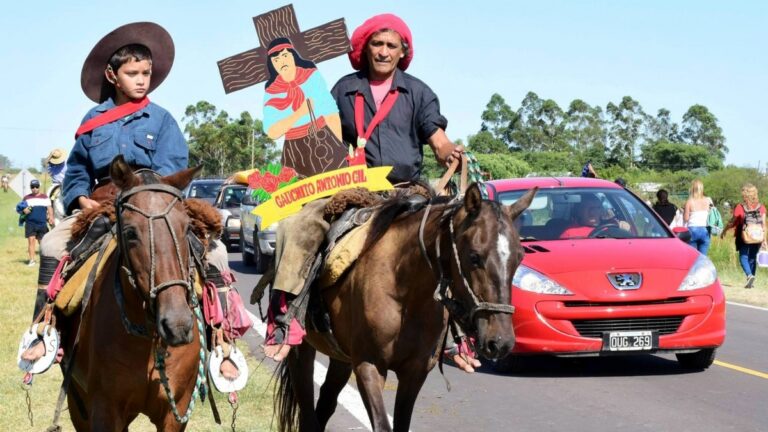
x,y
56,156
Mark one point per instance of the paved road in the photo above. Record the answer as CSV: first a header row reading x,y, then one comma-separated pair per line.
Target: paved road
x,y
639,393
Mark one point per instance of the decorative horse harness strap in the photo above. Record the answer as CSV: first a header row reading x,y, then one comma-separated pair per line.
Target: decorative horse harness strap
x,y
122,204
456,309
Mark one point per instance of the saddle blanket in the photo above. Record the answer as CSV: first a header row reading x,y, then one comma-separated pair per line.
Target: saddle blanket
x,y
344,254
69,298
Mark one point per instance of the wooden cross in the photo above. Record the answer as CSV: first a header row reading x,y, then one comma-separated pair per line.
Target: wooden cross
x,y
320,43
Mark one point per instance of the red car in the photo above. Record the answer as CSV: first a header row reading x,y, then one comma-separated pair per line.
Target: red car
x,y
604,275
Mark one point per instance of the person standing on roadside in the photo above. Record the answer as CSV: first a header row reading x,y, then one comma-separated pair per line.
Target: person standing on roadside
x,y
38,214
695,216
749,216
664,208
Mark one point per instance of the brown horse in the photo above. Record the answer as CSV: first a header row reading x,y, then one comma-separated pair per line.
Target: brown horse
x,y
137,340
385,315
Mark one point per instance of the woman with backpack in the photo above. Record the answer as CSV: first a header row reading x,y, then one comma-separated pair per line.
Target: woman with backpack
x,y
748,220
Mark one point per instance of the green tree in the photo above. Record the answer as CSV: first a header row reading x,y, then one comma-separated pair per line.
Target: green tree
x,y
665,155
700,128
546,163
502,165
662,128
584,126
5,163
497,117
539,125
485,143
626,121
223,145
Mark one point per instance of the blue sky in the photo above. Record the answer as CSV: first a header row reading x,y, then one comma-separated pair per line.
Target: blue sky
x,y
670,54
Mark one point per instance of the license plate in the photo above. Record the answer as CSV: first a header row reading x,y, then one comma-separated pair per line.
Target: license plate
x,y
630,341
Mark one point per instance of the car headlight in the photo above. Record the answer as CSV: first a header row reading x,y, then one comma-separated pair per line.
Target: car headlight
x,y
233,222
702,274
528,279
273,227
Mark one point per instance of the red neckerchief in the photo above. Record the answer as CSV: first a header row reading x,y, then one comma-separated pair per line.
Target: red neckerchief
x,y
111,115
294,95
386,107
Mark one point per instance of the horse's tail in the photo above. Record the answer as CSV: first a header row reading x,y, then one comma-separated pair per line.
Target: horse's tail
x,y
285,402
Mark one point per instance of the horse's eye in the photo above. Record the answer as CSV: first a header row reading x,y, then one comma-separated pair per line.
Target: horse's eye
x,y
476,260
130,235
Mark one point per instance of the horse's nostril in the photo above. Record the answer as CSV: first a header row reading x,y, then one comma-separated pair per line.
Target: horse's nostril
x,y
493,348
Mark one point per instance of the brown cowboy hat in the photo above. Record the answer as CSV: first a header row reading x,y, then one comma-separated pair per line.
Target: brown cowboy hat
x,y
151,35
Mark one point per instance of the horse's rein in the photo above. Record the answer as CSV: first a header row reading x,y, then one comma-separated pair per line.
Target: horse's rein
x,y
449,173
121,205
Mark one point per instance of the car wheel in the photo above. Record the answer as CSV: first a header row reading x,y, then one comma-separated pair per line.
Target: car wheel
x,y
698,360
247,256
511,364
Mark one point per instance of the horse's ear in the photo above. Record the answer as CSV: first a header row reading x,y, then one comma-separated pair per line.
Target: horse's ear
x,y
122,174
473,199
520,205
181,179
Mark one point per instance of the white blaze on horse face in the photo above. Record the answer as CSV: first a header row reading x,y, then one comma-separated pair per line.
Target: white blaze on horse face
x,y
504,250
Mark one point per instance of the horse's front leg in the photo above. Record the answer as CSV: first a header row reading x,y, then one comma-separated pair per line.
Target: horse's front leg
x,y
370,382
335,380
409,383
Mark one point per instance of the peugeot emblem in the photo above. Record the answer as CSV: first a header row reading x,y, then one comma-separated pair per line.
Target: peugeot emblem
x,y
625,281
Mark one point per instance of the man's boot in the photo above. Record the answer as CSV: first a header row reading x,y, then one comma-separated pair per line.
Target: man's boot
x,y
47,269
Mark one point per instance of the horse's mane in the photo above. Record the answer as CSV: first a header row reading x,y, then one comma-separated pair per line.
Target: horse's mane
x,y
205,221
400,204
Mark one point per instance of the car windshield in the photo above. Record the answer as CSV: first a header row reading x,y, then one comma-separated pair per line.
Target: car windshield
x,y
204,190
233,197
577,213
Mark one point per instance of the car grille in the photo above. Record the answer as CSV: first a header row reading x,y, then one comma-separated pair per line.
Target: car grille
x,y
672,300
595,328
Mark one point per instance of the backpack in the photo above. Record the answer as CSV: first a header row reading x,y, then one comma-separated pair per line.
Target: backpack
x,y
715,222
751,232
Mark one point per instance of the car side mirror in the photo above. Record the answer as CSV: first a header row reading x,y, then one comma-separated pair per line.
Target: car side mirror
x,y
682,233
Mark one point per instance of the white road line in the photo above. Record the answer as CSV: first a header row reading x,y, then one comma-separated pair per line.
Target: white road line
x,y
349,397
747,306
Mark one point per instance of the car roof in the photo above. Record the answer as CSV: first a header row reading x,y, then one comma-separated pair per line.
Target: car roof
x,y
504,185
208,180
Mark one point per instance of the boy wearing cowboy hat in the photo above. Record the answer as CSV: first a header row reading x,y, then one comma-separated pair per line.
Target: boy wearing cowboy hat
x,y
118,74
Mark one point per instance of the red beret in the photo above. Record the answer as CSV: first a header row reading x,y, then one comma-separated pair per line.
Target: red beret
x,y
372,25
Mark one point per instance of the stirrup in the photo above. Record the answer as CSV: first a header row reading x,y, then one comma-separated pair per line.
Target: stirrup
x,y
49,337
221,383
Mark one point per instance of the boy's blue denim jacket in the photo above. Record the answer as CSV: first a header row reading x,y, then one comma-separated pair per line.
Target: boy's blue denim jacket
x,y
148,138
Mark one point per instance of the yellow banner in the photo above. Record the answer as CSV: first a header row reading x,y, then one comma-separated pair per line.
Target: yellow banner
x,y
290,199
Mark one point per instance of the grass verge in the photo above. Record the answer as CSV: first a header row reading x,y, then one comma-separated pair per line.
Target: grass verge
x,y
17,290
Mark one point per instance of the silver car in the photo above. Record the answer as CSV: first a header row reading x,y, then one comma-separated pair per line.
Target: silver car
x,y
257,243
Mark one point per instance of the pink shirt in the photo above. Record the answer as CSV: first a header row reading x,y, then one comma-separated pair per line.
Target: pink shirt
x,y
380,90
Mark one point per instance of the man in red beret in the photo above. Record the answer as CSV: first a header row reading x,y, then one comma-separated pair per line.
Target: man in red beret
x,y
382,49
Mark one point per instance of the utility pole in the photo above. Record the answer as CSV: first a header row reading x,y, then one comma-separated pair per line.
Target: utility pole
x,y
252,140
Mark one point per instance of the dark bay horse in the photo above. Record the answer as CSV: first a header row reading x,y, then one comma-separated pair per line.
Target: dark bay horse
x,y
139,339
385,315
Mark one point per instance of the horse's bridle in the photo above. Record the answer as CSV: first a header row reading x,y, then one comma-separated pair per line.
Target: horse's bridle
x,y
121,205
462,314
